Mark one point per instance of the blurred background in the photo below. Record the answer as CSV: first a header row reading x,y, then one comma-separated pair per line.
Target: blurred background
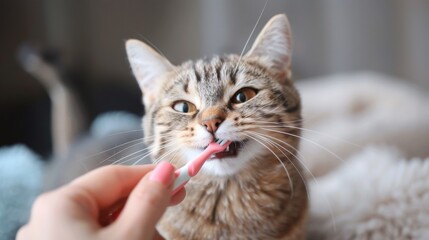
x,y
330,36
379,40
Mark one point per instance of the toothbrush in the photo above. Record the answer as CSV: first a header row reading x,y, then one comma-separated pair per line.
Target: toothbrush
x,y
185,173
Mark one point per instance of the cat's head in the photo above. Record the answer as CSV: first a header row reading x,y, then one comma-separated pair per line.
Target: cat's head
x,y
247,100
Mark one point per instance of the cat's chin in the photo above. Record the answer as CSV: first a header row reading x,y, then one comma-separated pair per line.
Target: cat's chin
x,y
227,165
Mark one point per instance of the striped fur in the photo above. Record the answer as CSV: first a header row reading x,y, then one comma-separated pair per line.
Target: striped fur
x,y
249,196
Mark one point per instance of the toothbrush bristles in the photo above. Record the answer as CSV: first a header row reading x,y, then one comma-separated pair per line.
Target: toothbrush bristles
x,y
221,142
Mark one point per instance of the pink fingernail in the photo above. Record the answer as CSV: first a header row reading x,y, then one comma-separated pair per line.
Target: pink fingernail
x,y
163,173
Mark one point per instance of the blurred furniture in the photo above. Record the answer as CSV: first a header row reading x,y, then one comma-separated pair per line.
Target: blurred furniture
x,y
330,36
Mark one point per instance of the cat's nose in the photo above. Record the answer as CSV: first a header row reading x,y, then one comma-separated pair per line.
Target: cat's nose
x,y
212,117
212,124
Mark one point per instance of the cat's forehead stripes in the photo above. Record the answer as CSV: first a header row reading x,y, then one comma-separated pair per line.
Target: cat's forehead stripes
x,y
197,75
185,86
211,80
206,70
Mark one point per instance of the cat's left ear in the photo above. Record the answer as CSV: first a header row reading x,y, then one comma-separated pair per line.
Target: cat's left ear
x,y
273,47
148,67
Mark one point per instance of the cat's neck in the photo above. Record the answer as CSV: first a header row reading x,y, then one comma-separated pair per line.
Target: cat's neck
x,y
264,174
259,193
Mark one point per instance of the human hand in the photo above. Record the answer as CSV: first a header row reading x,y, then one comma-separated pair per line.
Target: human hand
x,y
83,209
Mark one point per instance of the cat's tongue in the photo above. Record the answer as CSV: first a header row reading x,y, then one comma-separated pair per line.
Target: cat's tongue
x,y
230,151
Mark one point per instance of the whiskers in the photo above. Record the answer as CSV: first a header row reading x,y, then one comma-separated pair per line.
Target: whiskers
x,y
250,36
281,146
130,152
277,157
288,124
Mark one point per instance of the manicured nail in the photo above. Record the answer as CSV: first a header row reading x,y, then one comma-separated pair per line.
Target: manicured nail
x,y
162,173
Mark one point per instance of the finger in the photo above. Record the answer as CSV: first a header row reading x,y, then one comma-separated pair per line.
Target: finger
x,y
108,216
23,233
178,197
105,186
147,203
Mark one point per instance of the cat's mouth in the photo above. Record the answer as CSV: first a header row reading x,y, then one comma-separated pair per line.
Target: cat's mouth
x,y
231,151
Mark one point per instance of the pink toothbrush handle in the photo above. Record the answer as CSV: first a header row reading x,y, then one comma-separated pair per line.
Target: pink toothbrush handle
x,y
197,164
184,174
182,177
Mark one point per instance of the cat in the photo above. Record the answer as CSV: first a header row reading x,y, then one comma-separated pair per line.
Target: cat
x,y
255,189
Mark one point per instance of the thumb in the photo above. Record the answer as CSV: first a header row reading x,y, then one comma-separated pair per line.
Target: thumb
x,y
146,204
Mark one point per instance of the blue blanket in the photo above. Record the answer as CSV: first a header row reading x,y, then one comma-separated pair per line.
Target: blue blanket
x,y
21,173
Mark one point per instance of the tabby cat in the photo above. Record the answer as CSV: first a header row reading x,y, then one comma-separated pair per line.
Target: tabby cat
x,y
254,189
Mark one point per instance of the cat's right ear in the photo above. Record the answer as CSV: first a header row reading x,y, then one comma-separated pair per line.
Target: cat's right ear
x,y
273,47
148,66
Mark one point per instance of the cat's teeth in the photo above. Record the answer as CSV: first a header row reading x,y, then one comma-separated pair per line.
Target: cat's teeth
x,y
227,149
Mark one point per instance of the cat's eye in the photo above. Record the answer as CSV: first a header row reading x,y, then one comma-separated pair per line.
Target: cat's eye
x,y
184,107
243,95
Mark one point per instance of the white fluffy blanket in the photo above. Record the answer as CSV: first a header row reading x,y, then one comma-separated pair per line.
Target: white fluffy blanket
x,y
367,156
